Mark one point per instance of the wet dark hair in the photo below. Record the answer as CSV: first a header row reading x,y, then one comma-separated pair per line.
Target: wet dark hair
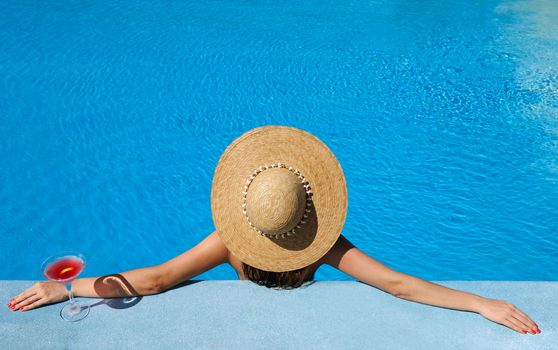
x,y
284,280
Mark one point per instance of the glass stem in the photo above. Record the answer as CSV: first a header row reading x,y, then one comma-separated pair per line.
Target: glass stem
x,y
71,295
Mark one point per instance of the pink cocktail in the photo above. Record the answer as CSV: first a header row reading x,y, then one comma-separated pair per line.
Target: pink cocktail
x,y
65,269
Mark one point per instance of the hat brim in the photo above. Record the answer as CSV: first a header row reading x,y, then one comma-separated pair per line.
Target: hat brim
x,y
295,148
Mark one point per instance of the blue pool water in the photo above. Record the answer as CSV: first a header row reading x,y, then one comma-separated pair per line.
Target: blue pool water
x,y
443,115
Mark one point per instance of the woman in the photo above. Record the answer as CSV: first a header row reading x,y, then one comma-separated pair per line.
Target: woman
x,y
276,224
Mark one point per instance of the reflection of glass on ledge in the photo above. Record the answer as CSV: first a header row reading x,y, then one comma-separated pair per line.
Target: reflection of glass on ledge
x,y
109,285
105,286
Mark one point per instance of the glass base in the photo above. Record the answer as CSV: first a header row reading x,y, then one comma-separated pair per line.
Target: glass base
x,y
74,312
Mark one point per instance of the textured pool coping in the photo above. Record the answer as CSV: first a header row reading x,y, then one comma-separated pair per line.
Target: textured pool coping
x,y
242,315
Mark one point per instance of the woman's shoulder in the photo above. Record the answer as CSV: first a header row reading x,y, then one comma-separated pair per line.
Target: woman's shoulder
x,y
336,252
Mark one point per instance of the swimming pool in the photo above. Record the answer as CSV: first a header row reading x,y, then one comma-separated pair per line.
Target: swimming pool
x,y
443,115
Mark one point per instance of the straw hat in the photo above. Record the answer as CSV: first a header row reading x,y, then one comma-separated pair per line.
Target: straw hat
x,y
278,198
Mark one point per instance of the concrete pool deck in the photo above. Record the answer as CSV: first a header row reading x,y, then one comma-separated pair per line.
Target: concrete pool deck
x,y
242,315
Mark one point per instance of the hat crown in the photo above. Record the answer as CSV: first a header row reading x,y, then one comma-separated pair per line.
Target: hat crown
x,y
275,201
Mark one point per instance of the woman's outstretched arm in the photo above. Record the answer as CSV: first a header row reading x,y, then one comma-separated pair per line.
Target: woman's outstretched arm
x,y
349,259
209,253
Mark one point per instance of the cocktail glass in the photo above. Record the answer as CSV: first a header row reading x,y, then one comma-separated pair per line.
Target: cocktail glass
x,y
64,268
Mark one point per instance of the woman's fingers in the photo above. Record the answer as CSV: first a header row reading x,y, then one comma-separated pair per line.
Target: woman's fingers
x,y
527,317
24,304
16,301
37,303
529,326
515,325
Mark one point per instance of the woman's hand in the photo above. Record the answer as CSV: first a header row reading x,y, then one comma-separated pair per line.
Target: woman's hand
x,y
40,293
507,314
